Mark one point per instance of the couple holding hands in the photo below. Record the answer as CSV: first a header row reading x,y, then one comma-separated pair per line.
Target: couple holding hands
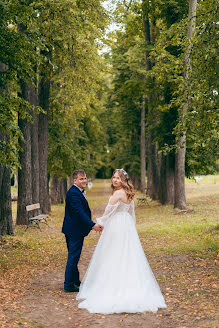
x,y
119,277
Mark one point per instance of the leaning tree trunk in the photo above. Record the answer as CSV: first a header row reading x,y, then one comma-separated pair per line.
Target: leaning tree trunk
x,y
44,91
24,173
180,197
143,147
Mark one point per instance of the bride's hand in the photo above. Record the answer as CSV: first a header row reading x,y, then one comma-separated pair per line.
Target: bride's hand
x,y
97,227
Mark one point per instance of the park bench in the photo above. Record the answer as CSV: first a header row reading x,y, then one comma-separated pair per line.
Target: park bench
x,y
143,200
35,220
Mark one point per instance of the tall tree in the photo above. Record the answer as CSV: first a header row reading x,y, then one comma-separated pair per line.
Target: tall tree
x,y
24,172
44,93
180,197
6,222
15,54
153,171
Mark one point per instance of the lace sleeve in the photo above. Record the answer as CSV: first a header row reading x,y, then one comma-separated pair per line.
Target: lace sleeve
x,y
109,211
132,211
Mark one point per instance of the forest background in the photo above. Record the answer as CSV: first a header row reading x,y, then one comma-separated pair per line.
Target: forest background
x,y
74,94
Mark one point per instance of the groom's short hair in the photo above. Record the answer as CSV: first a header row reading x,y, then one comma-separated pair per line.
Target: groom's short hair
x,y
77,172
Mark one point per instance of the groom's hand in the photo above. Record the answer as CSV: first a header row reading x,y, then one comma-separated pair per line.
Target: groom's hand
x,y
97,227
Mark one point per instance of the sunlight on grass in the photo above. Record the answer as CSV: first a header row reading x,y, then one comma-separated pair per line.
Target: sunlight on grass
x,y
193,231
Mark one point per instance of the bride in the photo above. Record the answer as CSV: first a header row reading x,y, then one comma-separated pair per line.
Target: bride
x,y
119,278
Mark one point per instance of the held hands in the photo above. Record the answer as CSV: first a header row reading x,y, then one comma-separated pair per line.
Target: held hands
x,y
98,227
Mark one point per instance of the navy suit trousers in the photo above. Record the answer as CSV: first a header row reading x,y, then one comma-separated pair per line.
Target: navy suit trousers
x,y
74,246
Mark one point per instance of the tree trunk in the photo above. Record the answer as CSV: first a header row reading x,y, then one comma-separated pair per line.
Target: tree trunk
x,y
166,188
35,158
44,90
15,180
153,171
35,152
143,147
6,221
180,197
136,181
24,173
152,174
69,182
63,185
170,164
55,190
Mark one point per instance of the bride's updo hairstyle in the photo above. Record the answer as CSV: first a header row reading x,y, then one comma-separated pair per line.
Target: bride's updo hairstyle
x,y
126,183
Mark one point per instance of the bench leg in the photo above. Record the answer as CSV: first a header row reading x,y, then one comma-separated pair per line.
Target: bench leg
x,y
38,225
33,223
45,222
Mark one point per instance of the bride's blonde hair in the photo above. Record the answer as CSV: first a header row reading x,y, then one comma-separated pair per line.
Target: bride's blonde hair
x,y
126,183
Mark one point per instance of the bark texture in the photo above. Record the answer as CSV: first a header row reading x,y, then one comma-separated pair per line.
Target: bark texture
x,y
6,222
35,154
166,189
54,190
153,169
58,190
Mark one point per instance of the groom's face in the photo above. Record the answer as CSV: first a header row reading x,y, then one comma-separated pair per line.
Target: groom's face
x,y
81,181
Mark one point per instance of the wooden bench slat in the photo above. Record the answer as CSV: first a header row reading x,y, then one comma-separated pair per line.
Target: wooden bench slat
x,y
32,207
39,217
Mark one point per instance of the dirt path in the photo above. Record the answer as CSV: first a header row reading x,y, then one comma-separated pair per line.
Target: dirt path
x,y
45,304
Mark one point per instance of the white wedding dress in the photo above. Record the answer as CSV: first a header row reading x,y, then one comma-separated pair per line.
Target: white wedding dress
x,y
119,278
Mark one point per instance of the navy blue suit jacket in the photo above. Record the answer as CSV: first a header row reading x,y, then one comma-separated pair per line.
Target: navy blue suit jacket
x,y
77,220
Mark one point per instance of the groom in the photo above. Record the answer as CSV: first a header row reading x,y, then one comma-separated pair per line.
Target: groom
x,y
77,224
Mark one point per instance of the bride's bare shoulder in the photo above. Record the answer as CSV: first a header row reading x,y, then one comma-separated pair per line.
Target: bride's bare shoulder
x,y
116,196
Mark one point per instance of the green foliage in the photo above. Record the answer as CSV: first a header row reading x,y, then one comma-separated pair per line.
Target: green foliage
x,y
76,136
164,84
17,60
57,39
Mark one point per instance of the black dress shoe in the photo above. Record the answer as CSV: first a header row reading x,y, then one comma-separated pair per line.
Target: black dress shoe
x,y
71,289
78,284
